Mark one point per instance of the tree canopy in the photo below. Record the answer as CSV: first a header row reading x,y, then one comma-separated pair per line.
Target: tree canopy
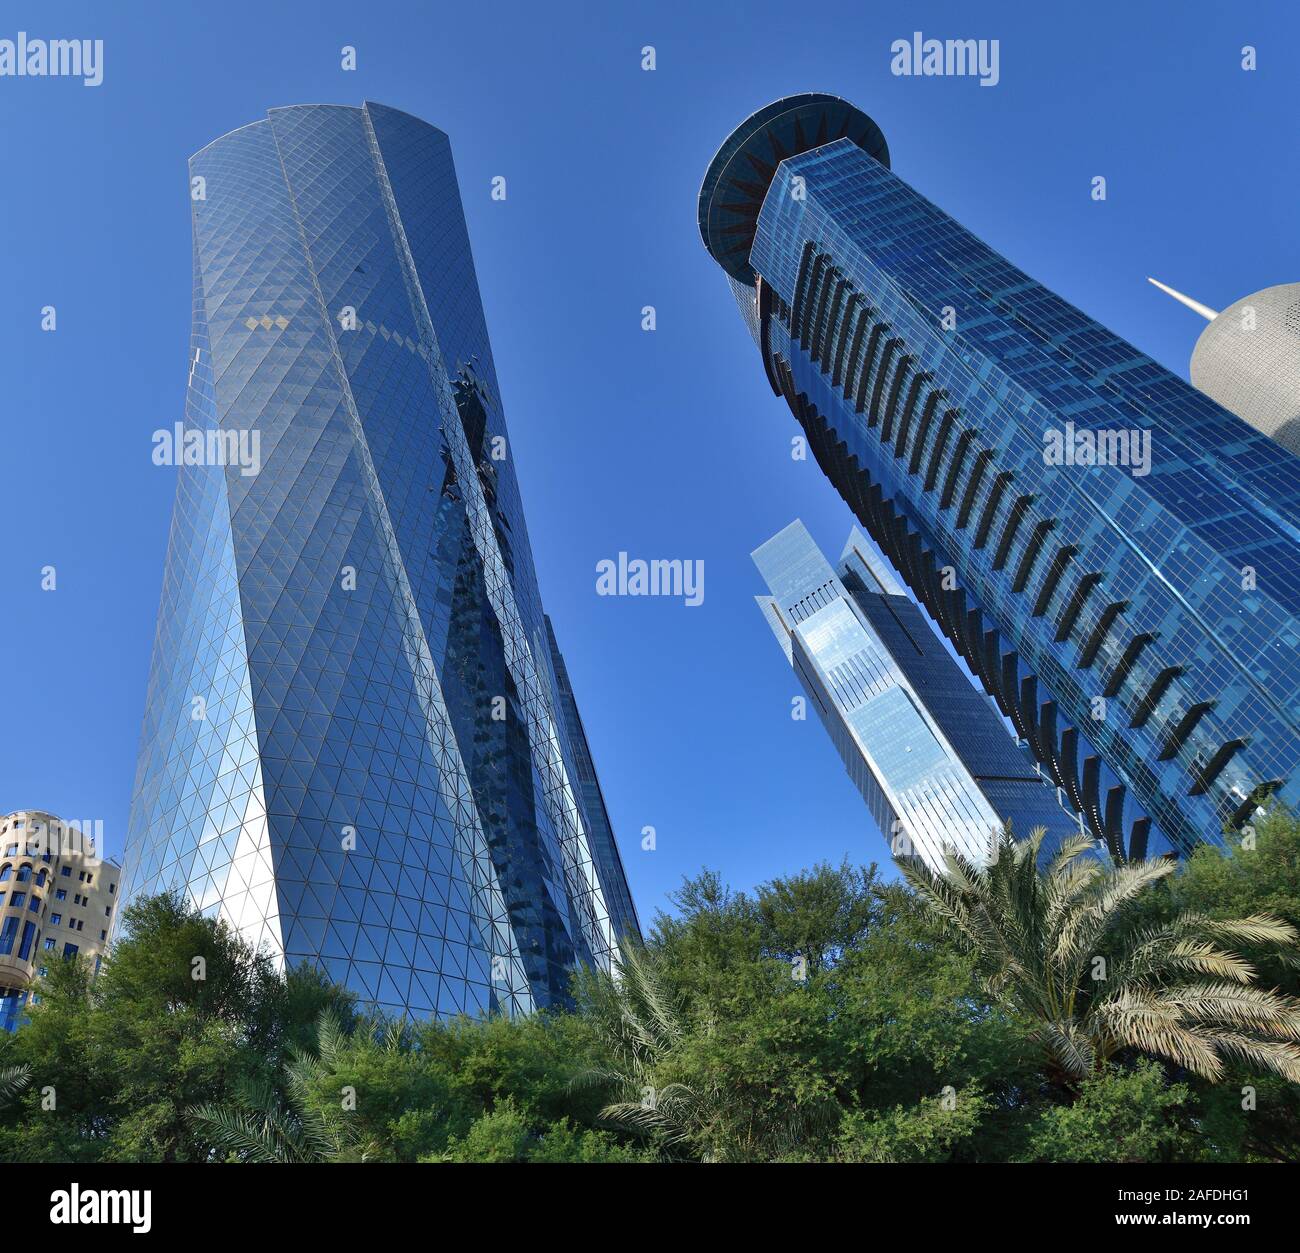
x,y
824,1016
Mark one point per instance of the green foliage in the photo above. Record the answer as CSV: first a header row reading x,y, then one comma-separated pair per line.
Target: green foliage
x,y
500,1135
533,1060
484,1090
564,1142
826,1016
126,1055
933,1130
1251,1114
307,1123
505,1134
727,1048
1120,1116
1070,949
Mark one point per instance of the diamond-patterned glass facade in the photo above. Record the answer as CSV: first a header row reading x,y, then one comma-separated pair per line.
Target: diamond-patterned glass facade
x,y
354,745
1138,625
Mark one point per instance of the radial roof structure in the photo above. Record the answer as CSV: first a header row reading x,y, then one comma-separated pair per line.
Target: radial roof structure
x,y
738,177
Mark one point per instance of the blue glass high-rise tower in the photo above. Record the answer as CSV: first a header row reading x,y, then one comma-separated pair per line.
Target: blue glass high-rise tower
x,y
1136,616
932,759
355,746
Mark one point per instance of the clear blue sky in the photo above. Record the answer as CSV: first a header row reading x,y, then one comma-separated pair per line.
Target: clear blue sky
x,y
663,445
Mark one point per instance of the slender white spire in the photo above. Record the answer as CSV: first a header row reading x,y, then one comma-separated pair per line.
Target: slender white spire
x,y
1204,310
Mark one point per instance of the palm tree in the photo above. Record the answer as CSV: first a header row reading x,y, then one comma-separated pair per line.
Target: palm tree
x,y
13,1079
645,1034
640,1028
264,1127
1068,948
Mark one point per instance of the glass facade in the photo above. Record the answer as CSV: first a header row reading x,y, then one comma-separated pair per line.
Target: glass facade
x,y
1139,626
929,754
354,744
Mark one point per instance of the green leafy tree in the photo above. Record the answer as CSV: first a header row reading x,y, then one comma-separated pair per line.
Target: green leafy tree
x,y
530,1059
184,1012
823,1016
754,1024
565,1142
498,1135
932,1130
492,1089
506,1134
1252,1114
1067,948
1120,1116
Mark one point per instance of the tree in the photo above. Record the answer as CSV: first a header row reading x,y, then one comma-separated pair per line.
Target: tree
x,y
1120,1115
641,1028
824,1016
13,1079
531,1060
184,1012
1251,1115
1067,948
933,1130
262,1126
505,1134
486,1089
770,1020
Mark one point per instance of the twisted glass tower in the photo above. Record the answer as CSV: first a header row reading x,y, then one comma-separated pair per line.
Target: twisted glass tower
x,y
354,747
1138,624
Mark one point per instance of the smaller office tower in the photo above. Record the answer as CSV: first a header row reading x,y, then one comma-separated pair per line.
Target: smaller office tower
x,y
932,759
1248,359
57,899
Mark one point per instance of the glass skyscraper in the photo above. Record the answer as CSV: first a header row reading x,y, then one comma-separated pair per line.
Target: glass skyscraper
x,y
356,747
1139,624
929,754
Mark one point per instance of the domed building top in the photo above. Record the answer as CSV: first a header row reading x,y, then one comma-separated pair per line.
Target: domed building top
x,y
1248,359
738,177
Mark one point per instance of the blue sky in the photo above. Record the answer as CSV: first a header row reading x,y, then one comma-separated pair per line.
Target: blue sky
x,y
663,444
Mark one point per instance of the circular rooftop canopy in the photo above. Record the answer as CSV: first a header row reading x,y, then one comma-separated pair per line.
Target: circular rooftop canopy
x,y
740,174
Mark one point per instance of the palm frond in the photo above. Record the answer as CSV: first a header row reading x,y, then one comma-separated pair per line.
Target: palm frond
x,y
251,1135
659,1020
1141,1020
1278,1056
260,1127
1070,1048
1099,912
1174,990
1264,929
13,1079
1256,1008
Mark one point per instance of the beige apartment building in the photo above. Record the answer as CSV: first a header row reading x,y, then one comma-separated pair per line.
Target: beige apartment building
x,y
57,899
